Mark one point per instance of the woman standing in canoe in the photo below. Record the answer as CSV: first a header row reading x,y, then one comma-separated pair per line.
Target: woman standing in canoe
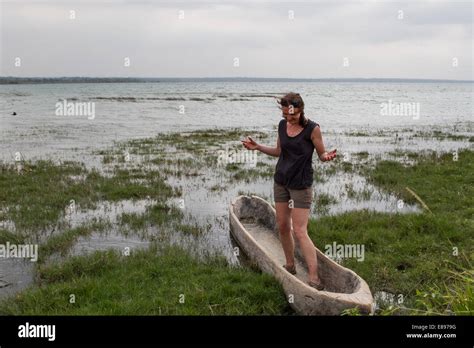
x,y
298,137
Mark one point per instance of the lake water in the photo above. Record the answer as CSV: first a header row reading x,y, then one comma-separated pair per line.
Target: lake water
x,y
135,110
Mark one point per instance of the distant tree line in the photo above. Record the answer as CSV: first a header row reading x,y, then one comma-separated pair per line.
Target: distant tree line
x,y
39,80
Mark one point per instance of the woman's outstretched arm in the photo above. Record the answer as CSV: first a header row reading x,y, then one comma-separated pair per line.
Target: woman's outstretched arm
x,y
317,140
250,144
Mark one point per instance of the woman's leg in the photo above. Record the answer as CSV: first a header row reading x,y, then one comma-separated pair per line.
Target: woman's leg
x,y
283,217
300,226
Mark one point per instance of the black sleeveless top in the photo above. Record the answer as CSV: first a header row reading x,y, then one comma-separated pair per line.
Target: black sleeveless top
x,y
294,168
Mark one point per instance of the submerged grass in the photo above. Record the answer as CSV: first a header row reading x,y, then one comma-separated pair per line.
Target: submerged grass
x,y
39,195
61,243
158,214
436,134
204,150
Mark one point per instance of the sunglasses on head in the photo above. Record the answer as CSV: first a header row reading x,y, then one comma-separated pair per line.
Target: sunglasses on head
x,y
286,103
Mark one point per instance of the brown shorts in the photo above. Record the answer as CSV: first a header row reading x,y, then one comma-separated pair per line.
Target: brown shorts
x,y
300,198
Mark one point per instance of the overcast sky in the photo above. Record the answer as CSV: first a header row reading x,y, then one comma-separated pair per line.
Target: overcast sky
x,y
414,39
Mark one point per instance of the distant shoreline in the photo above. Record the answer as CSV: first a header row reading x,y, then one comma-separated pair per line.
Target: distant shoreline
x,y
9,80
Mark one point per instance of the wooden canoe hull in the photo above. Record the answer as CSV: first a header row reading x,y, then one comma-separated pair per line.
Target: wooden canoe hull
x,y
345,289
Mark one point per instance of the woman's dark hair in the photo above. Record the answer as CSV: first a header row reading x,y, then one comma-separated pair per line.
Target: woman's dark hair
x,y
296,101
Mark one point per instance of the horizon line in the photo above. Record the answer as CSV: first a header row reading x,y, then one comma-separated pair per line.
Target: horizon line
x,y
232,78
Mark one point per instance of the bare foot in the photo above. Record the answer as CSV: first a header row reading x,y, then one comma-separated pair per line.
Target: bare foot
x,y
290,268
316,284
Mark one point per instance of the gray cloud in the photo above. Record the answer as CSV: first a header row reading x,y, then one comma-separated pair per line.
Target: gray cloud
x,y
268,44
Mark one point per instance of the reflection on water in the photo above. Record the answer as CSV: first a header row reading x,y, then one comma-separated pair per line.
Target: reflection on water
x,y
15,275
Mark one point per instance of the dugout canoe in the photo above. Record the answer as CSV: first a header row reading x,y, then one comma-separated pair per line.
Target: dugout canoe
x,y
253,226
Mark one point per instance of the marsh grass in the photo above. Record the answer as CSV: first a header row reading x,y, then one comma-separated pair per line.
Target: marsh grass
x,y
451,297
148,282
63,242
408,254
414,253
7,236
191,154
38,197
322,201
436,134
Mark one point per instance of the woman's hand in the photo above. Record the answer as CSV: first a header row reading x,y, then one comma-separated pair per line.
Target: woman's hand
x,y
250,144
328,156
